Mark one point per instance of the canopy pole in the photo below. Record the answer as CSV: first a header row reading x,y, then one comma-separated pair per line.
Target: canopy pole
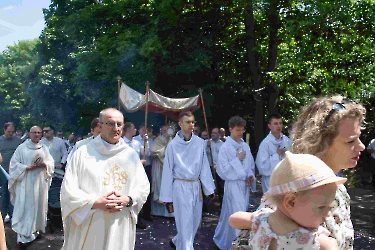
x,y
118,91
205,121
146,115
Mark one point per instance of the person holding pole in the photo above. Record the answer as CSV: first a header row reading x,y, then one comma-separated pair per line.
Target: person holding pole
x,y
186,173
146,143
236,167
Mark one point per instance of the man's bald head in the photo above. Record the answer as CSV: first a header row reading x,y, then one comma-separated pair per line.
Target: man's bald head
x,y
35,133
111,124
109,112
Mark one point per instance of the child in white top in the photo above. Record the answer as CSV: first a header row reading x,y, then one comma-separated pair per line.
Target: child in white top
x,y
302,187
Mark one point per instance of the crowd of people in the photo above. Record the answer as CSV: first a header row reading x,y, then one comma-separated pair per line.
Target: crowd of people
x,y
115,180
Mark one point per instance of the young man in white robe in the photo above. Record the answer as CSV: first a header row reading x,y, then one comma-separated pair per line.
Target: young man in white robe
x,y
236,167
186,173
271,149
31,168
104,188
158,149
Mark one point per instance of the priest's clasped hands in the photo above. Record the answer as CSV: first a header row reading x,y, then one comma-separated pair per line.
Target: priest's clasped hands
x,y
111,202
36,165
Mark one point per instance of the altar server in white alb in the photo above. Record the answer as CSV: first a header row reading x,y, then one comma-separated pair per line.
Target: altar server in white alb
x,y
272,149
236,167
104,188
185,173
30,170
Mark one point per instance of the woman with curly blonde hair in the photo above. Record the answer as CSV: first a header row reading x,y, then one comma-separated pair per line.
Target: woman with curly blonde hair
x,y
328,128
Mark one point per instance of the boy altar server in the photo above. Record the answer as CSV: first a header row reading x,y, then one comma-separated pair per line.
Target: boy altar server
x,y
185,173
104,188
236,167
272,149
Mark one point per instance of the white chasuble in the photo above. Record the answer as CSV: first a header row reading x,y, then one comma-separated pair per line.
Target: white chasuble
x,y
186,173
29,188
236,190
96,169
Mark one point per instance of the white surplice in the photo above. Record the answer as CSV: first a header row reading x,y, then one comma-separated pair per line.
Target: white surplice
x,y
236,191
185,173
96,169
267,157
29,189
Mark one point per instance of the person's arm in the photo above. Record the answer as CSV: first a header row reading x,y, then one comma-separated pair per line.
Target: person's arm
x,y
264,161
229,168
1,159
241,220
327,243
166,189
207,181
3,245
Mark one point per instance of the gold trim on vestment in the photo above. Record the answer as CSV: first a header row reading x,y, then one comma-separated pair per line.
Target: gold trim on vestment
x,y
87,232
116,177
77,209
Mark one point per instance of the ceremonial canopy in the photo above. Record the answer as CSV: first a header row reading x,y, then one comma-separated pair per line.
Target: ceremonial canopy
x,y
133,101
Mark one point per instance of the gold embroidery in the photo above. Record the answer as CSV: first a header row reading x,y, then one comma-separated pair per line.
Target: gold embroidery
x,y
118,178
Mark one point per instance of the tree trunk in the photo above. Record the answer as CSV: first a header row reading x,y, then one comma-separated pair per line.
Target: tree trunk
x,y
255,76
274,25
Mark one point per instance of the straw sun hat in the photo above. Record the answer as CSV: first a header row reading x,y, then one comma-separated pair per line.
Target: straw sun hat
x,y
298,172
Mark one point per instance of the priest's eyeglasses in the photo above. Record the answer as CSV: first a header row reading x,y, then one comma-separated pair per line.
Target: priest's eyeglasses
x,y
113,124
335,108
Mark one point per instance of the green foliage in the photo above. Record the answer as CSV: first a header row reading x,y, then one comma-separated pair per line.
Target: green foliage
x,y
69,74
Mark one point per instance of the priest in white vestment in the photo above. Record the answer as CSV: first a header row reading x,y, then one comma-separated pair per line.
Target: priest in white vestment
x,y
236,167
271,149
104,188
31,168
186,173
158,149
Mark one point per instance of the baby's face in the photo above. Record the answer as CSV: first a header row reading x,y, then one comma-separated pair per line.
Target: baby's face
x,y
311,210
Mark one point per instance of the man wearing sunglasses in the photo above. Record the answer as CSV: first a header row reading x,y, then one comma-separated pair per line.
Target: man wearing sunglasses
x,y
104,188
56,148
30,171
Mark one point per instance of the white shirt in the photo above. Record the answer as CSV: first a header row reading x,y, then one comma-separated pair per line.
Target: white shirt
x,y
371,145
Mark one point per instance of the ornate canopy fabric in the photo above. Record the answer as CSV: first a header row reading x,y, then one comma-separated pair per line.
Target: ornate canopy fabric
x,y
133,101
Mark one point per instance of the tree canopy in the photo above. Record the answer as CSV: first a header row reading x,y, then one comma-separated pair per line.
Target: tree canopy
x,y
251,58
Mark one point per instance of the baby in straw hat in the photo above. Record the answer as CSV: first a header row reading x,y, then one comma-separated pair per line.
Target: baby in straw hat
x,y
303,188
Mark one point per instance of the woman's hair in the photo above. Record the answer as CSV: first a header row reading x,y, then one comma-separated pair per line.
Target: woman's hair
x,y
317,125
